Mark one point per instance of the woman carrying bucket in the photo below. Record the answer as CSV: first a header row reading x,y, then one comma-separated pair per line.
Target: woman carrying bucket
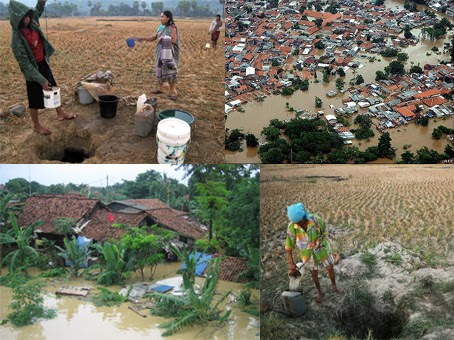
x,y
31,49
167,53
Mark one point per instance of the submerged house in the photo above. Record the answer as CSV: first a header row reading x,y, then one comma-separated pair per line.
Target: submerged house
x,y
94,219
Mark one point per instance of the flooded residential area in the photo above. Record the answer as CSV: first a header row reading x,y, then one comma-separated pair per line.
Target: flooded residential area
x,y
164,254
275,51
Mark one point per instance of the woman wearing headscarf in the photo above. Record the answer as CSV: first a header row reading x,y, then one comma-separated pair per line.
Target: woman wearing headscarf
x,y
32,50
167,53
308,233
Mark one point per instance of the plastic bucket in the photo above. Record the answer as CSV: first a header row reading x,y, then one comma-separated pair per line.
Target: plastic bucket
x,y
108,106
131,42
293,303
52,98
172,113
173,137
84,96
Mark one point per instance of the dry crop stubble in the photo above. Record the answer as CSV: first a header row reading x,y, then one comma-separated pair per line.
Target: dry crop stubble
x,y
86,45
408,204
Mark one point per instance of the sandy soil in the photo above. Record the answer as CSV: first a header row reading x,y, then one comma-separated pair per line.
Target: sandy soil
x,y
86,45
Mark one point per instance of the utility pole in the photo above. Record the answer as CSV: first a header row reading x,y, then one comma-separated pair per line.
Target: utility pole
x,y
107,188
29,182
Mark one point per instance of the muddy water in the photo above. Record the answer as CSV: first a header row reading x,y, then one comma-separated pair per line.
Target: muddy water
x,y
258,114
77,318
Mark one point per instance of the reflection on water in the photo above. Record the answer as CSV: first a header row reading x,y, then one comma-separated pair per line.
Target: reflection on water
x,y
77,318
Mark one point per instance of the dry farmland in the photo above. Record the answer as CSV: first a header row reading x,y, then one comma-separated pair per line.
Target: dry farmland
x,y
366,205
86,45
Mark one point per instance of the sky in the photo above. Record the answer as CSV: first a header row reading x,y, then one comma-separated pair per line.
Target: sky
x,y
91,174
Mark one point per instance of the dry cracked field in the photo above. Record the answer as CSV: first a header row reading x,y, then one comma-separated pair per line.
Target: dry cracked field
x,y
368,204
86,45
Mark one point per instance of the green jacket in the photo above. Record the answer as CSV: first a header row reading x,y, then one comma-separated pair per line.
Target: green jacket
x,y
21,50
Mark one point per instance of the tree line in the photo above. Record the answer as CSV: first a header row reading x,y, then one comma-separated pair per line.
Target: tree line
x,y
134,8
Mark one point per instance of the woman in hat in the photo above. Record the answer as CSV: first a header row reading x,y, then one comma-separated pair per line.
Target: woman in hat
x,y
32,51
308,233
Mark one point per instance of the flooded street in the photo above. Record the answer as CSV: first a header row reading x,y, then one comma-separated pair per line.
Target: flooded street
x,y
258,114
78,318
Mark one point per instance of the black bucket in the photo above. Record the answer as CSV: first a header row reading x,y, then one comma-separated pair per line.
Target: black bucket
x,y
108,106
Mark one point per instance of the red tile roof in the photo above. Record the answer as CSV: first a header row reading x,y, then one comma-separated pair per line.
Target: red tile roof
x,y
428,93
231,267
49,207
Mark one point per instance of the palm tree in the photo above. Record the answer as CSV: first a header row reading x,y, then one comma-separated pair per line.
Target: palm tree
x,y
252,273
25,255
74,254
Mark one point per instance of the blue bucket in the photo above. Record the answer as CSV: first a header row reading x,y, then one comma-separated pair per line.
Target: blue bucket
x,y
131,42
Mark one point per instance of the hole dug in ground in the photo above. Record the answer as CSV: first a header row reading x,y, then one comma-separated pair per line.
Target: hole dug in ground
x,y
70,148
362,316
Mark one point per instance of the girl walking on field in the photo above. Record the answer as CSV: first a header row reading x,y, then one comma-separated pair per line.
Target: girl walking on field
x,y
308,233
31,50
167,54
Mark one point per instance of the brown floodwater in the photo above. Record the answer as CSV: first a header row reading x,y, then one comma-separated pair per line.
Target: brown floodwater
x,y
258,114
78,318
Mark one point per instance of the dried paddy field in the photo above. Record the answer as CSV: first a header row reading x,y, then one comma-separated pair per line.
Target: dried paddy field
x,y
411,205
86,45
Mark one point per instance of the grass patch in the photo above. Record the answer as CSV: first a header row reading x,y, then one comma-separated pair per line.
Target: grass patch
x,y
395,259
369,260
55,272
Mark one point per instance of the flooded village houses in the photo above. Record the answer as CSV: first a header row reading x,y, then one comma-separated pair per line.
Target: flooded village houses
x,y
268,49
95,221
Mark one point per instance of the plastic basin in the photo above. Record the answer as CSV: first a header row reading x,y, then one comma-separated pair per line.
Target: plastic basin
x,y
174,113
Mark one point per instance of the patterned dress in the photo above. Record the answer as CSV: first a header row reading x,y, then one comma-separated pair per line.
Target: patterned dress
x,y
306,241
163,73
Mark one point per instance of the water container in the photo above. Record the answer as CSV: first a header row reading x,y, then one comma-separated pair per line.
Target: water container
x,y
140,102
173,136
174,113
131,42
108,106
153,101
143,122
52,98
84,96
293,303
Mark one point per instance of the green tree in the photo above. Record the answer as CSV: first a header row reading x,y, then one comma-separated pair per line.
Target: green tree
x,y
272,156
25,255
416,69
340,84
212,198
251,140
359,79
319,45
157,7
271,133
27,303
74,254
380,75
144,247
384,146
408,157
389,52
395,68
402,56
325,78
340,71
275,63
427,156
318,102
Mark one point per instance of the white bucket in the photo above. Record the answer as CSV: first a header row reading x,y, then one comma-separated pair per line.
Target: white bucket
x,y
84,96
173,136
52,98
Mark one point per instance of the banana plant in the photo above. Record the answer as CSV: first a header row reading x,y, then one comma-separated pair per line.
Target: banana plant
x,y
74,254
25,255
